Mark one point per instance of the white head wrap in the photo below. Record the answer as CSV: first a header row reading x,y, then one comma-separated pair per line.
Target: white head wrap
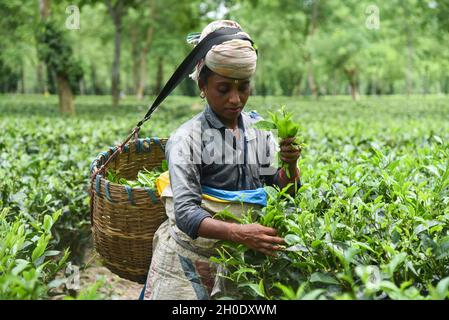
x,y
235,58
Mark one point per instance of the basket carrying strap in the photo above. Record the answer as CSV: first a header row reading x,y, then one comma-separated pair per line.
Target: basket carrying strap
x,y
186,67
214,38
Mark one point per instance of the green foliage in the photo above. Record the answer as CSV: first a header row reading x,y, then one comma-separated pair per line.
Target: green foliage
x,y
27,264
371,220
282,121
145,178
44,165
375,177
56,51
292,46
353,241
8,78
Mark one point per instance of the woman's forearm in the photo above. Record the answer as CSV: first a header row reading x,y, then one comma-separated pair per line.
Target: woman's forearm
x,y
254,236
216,229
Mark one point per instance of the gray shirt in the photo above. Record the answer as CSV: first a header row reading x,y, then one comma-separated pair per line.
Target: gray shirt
x,y
203,152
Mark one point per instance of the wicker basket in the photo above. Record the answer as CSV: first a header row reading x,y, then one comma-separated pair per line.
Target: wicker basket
x,y
125,219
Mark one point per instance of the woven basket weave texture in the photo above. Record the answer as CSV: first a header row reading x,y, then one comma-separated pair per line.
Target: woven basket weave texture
x,y
124,220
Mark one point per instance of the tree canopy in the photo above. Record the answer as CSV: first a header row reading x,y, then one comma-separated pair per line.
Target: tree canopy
x,y
308,47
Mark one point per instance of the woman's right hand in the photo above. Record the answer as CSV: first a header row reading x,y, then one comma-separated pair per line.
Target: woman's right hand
x,y
257,237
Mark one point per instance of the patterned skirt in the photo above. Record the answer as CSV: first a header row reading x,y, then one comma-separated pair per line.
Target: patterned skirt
x,y
180,267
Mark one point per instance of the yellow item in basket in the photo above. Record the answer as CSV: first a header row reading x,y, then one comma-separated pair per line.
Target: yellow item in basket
x,y
163,181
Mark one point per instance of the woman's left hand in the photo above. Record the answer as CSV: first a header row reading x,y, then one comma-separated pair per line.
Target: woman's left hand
x,y
289,153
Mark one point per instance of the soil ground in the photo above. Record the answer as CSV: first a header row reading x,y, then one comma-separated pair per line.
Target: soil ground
x,y
115,288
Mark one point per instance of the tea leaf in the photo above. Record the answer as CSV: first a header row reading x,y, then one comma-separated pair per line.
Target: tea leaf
x,y
323,278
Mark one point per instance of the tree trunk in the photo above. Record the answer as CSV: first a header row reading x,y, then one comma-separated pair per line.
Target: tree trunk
x,y
426,81
313,27
144,53
40,77
115,88
297,88
159,75
82,87
351,74
390,88
59,82
93,77
44,9
44,12
22,79
135,59
409,69
65,94
322,91
410,51
142,76
354,93
128,84
116,12
311,79
52,81
334,85
370,88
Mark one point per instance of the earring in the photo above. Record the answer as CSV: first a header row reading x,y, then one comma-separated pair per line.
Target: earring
x,y
202,95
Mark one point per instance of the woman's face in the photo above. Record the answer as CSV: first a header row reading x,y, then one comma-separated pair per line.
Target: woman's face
x,y
226,96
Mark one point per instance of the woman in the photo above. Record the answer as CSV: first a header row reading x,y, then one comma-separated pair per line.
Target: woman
x,y
216,151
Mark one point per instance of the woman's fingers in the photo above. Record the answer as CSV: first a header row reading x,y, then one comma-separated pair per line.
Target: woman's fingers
x,y
273,240
290,155
290,147
260,238
287,141
268,231
289,159
290,151
270,249
269,245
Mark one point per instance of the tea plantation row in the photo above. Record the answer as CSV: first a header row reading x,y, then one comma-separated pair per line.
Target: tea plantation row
x,y
370,222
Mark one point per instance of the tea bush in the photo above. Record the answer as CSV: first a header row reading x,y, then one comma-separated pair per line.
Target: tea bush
x,y
28,266
372,218
370,222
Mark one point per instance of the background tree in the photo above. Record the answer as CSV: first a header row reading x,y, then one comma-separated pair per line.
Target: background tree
x,y
17,47
116,11
306,47
55,50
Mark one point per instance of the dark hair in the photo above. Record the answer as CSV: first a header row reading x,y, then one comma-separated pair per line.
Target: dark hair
x,y
205,73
